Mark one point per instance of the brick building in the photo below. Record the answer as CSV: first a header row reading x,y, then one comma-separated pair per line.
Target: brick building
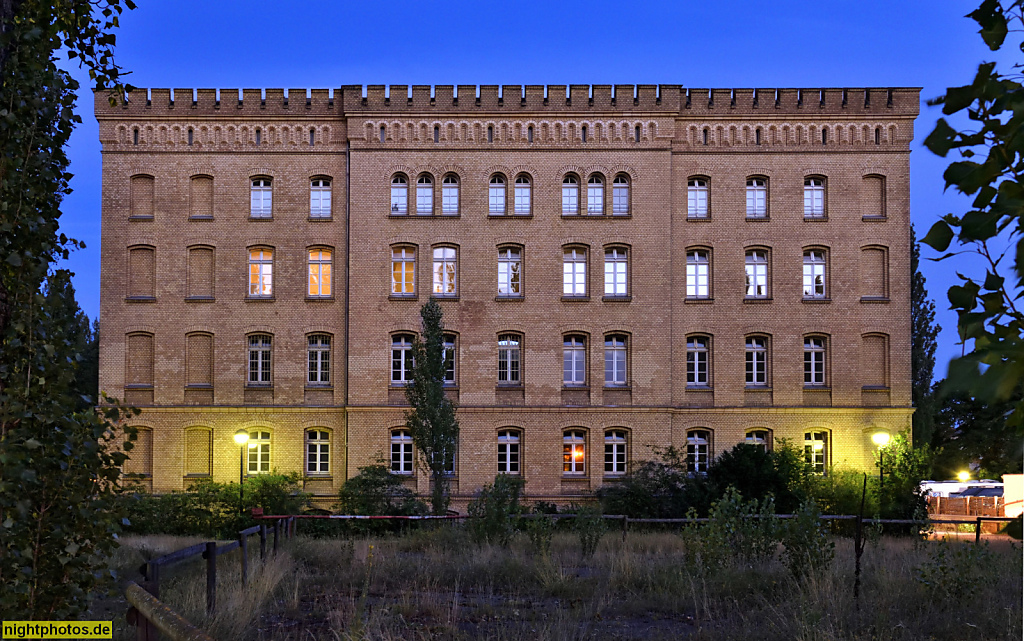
x,y
619,268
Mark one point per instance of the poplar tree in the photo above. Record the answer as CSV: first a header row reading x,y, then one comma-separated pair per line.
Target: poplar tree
x,y
923,334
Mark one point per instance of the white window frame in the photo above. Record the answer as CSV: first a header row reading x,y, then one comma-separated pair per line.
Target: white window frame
x,y
510,360
615,443
616,271
756,361
574,361
320,198
510,272
815,274
697,198
425,195
261,198
401,359
320,267
450,195
318,347
522,196
451,359
570,195
496,202
574,453
698,451
815,359
318,452
399,195
445,271
816,450
616,360
757,197
595,195
698,362
401,452
814,197
756,267
698,273
260,368
574,272
620,196
759,438
403,271
509,442
258,453
261,272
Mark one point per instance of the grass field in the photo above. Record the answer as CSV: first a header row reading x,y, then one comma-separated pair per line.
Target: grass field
x,y
439,584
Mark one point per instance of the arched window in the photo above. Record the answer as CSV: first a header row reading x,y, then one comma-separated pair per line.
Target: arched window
x,y
403,271
760,439
260,198
450,195
756,361
698,451
261,272
510,272
595,195
574,271
816,450
320,198
522,195
698,273
529,134
259,359
382,131
425,195
814,197
318,350
319,268
583,133
401,359
490,133
636,133
496,196
574,453
508,452
814,361
574,360
399,195
815,273
615,360
615,452
616,271
698,357
445,271
620,196
697,198
757,198
259,452
756,273
509,363
401,452
437,133
318,452
570,195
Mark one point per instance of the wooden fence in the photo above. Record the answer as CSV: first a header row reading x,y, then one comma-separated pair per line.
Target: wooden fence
x,y
966,506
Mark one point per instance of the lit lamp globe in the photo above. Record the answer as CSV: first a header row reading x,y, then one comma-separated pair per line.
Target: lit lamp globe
x,y
881,439
241,437
964,476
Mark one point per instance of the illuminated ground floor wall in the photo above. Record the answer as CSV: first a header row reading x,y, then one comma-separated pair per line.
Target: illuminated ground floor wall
x,y
559,452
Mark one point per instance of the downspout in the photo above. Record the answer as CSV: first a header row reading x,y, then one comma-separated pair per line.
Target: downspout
x,y
348,281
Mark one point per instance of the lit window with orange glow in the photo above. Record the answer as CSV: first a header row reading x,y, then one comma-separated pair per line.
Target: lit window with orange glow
x,y
319,273
261,272
574,453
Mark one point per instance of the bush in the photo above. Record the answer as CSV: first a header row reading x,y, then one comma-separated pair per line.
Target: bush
x,y
757,474
808,549
495,512
659,489
955,571
375,491
735,529
589,526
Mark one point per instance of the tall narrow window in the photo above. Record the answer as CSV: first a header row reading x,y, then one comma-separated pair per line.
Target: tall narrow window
x,y
814,274
382,133
318,452
697,357
757,273
614,452
424,195
522,195
200,275
570,196
814,197
757,198
636,133
816,450
312,137
399,195
574,453
529,134
620,196
139,361
756,362
449,354
615,360
401,359
141,273
403,271
200,197
198,449
496,196
450,195
814,361
615,272
445,270
760,439
319,285
437,134
261,272
259,359
320,198
583,134
698,449
509,372
574,272
698,274
401,452
260,198
510,272
490,133
199,360
595,195
142,196
319,357
259,137
697,198
508,452
574,361
259,452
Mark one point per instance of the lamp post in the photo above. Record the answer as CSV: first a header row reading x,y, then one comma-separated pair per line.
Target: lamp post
x,y
241,437
881,439
964,476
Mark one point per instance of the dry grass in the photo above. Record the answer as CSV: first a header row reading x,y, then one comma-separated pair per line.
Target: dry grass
x,y
439,585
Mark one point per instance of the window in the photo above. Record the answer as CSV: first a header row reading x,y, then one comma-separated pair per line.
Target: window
x,y
872,197
509,369
425,195
522,195
382,130
510,272
620,196
615,360
200,197
636,134
760,439
401,452
312,137
614,452
756,362
698,446
574,452
697,198
814,361
261,272
816,450
319,285
490,133
697,358
574,272
401,359
574,361
399,194
141,273
199,360
259,359
814,273
318,452
449,354
757,198
319,350
437,133
698,274
814,197
508,452
595,195
403,271
496,196
583,133
139,361
529,134
259,452
615,272
320,198
444,271
198,451
450,195
142,190
570,196
260,198
757,273
259,137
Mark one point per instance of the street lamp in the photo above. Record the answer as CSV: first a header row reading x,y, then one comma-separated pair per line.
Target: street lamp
x,y
881,439
241,437
964,476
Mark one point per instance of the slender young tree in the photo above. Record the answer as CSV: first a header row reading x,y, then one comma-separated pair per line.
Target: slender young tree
x,y
431,421
923,333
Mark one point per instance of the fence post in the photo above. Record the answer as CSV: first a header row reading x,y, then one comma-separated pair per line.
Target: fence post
x,y
277,533
145,630
977,531
211,576
625,524
154,580
295,526
263,541
243,545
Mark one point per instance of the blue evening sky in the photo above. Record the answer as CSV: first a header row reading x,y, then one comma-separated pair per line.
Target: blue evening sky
x,y
728,43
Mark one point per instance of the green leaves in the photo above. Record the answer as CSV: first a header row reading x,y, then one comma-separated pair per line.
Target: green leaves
x,y
939,236
993,23
942,138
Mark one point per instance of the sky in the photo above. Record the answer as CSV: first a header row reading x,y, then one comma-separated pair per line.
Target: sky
x,y
725,43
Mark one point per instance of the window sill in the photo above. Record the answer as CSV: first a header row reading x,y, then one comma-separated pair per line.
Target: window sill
x,y
199,386
403,297
757,301
444,297
318,477
815,219
140,299
140,219
200,218
876,388
199,299
430,216
617,299
874,299
874,219
698,219
625,387
260,386
319,299
579,388
399,384
320,219
500,299
698,388
758,219
138,386
510,386
397,473
261,218
260,299
515,216
817,388
757,388
816,301
699,301
326,387
575,299
575,476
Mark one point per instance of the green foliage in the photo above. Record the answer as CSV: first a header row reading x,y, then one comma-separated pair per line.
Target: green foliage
x,y
654,488
903,468
375,491
974,432
736,529
956,571
781,474
589,527
808,550
431,421
923,335
990,170
494,513
540,529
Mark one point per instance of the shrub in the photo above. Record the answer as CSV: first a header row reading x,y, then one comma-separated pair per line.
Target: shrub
x,y
808,549
757,474
375,491
735,529
541,528
494,513
955,571
660,488
589,526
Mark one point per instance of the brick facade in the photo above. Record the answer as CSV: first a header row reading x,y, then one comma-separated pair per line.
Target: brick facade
x,y
178,311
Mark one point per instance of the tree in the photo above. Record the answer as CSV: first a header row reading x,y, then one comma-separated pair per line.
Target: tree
x,y
973,432
66,314
923,334
431,421
990,169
